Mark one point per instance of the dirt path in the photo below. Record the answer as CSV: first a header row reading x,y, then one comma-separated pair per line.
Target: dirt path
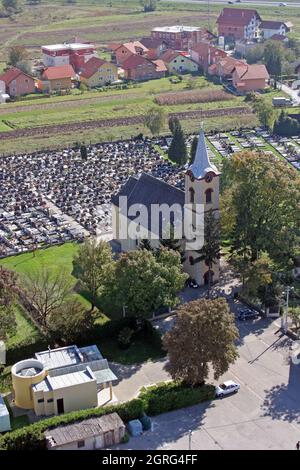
x,y
127,121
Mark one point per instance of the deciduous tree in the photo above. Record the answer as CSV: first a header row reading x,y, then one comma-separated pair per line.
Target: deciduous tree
x,y
155,120
70,322
203,336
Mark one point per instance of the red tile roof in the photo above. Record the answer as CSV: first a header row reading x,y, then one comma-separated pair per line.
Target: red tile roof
x,y
278,37
160,65
269,24
169,55
135,60
56,73
237,16
91,67
133,46
252,72
11,74
152,43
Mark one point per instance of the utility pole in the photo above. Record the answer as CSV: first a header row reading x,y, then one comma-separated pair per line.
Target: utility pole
x,y
190,439
284,319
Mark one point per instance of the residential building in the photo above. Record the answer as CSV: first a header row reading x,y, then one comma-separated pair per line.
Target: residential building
x,y
156,47
201,187
224,67
17,82
204,54
75,54
181,38
122,52
98,72
89,434
179,62
57,78
239,23
3,98
61,380
247,77
269,28
139,68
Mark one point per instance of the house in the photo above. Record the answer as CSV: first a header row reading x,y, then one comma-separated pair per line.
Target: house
x,y
4,416
270,28
17,82
250,77
98,72
89,434
181,38
75,54
139,68
204,54
178,62
224,67
201,187
57,78
61,380
156,47
239,23
121,52
3,98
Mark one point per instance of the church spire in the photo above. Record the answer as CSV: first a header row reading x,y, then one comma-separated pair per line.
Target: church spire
x,y
201,164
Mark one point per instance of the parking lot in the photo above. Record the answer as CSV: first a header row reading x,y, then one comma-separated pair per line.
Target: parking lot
x,y
264,414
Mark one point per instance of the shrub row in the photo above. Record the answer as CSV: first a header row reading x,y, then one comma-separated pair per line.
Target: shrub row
x,y
32,437
171,396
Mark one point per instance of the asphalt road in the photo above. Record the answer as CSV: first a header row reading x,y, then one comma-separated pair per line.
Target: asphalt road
x,y
248,2
264,414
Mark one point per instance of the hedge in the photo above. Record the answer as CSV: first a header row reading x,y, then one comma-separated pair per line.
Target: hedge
x,y
171,396
32,437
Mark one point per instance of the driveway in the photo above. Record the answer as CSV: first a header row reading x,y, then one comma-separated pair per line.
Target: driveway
x,y
265,414
292,93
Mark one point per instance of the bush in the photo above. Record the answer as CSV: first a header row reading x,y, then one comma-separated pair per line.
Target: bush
x,y
171,396
125,337
125,438
32,437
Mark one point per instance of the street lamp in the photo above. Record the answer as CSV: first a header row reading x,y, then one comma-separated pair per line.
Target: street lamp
x,y
284,317
190,439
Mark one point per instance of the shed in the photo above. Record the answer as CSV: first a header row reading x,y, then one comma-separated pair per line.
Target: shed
x,y
4,416
89,434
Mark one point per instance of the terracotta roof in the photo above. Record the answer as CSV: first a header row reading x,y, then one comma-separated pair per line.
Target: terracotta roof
x,y
252,72
169,55
152,43
132,46
269,24
61,71
160,65
112,46
91,67
226,64
237,16
12,74
203,48
133,61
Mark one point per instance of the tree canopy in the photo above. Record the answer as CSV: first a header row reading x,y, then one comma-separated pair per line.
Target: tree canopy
x,y
203,336
155,119
177,150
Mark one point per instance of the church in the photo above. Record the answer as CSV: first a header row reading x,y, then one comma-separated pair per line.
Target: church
x,y
201,187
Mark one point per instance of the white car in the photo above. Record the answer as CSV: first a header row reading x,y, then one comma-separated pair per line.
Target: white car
x,y
282,4
227,388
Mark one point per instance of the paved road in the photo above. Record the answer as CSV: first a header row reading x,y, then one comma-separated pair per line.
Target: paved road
x,y
265,414
294,94
247,2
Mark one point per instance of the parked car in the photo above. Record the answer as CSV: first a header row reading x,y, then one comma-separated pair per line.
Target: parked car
x,y
227,388
192,283
247,314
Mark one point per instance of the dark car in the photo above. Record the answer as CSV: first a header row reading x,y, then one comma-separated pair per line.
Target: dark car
x,y
192,283
247,314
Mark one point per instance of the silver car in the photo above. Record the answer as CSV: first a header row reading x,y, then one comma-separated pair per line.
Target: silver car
x,y
227,388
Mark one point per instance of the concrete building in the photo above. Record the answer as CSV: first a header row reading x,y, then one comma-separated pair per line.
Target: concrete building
x,y
205,55
181,38
61,380
75,54
89,434
138,68
271,28
4,416
201,187
239,23
247,77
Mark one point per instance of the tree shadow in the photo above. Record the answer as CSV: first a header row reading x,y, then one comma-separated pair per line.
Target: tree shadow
x,y
282,402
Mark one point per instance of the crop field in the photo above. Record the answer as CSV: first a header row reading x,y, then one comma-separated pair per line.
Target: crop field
x,y
193,96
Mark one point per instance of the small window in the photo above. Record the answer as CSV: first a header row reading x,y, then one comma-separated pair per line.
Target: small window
x,y
41,400
192,195
50,400
80,444
208,195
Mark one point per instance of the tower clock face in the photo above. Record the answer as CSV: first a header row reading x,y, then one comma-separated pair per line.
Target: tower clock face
x,y
208,177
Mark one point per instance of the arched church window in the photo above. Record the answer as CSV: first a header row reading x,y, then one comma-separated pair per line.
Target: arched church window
x,y
192,195
208,195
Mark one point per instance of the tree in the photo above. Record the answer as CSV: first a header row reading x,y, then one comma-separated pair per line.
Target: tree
x,y
286,126
273,57
155,120
17,54
255,54
295,316
177,150
172,243
25,66
173,124
46,291
8,281
93,267
264,202
83,152
149,5
145,245
193,149
203,336
265,111
210,252
70,322
10,5
144,282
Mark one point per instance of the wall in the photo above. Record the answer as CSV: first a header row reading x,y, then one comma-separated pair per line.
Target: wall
x,y
94,442
106,74
22,85
182,64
